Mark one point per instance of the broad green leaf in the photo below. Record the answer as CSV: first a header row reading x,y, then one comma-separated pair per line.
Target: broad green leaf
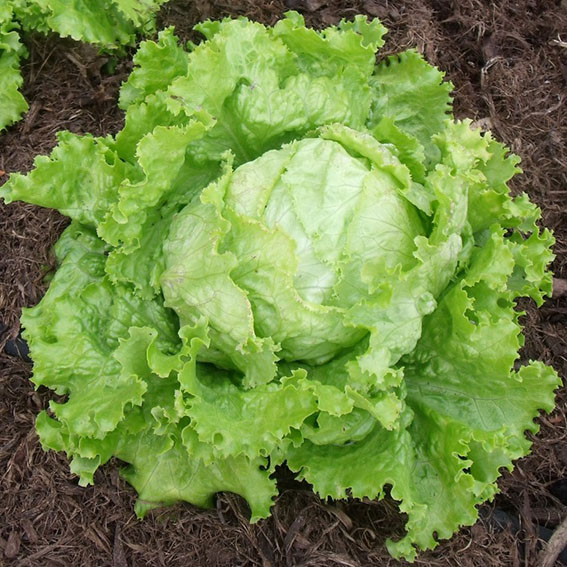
x,y
139,12
409,91
80,179
101,23
138,222
162,472
238,422
278,97
78,327
11,80
157,64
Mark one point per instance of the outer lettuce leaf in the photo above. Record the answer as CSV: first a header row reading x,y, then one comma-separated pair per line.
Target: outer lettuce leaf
x,y
174,475
79,179
77,328
141,119
157,65
327,52
289,254
109,23
411,92
30,15
81,323
229,420
138,221
84,21
245,72
11,51
139,12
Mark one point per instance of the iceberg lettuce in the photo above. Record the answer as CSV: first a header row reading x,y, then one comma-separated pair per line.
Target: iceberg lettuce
x,y
291,254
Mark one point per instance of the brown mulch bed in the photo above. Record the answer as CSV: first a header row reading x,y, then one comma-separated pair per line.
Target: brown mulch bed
x,y
508,61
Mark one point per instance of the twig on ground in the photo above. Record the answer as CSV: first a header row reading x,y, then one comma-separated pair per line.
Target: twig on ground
x,y
555,546
559,42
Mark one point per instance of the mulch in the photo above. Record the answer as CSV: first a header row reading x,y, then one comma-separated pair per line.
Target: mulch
x,y
508,62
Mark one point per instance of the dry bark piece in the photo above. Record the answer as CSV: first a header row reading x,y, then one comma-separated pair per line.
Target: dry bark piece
x,y
118,554
309,5
555,546
30,530
314,5
12,549
559,287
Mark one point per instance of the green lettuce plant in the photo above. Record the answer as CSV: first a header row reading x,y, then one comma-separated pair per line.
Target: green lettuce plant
x,y
12,104
106,23
290,254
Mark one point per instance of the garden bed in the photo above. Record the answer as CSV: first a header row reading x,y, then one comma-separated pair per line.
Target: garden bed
x,y
508,62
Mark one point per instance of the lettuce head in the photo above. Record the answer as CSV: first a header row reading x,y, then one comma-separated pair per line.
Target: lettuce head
x,y
290,254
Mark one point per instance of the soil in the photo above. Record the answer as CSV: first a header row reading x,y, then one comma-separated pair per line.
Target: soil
x,y
508,62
